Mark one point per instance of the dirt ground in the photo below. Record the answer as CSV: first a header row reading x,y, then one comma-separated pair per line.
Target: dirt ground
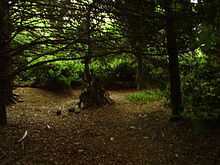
x,y
120,134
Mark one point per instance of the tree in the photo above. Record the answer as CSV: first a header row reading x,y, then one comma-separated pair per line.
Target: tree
x,y
140,29
175,84
17,18
140,36
5,60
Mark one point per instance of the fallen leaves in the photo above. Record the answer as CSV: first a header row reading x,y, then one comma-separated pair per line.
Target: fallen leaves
x,y
123,133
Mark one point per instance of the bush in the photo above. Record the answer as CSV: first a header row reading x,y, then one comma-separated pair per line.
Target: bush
x,y
201,89
56,76
124,72
116,75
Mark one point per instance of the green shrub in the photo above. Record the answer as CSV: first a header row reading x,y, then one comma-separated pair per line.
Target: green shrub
x,y
59,78
201,89
145,96
58,75
124,72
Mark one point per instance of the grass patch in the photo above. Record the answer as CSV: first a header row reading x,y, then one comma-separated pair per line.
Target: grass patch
x,y
145,96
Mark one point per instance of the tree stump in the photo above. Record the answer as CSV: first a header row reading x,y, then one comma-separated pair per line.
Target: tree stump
x,y
93,94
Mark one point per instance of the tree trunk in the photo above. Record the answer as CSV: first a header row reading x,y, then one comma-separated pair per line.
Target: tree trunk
x,y
3,115
87,73
139,76
175,84
5,61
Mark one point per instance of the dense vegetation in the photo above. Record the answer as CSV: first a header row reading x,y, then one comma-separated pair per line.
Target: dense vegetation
x,y
66,43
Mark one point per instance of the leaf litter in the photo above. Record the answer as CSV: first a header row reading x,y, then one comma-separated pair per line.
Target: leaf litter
x,y
120,134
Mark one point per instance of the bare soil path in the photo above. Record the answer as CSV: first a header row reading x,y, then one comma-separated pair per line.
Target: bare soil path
x,y
120,134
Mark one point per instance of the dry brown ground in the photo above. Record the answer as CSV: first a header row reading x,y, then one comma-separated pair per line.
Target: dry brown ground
x,y
120,134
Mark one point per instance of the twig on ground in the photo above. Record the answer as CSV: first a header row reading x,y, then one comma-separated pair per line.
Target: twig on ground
x,y
23,137
21,140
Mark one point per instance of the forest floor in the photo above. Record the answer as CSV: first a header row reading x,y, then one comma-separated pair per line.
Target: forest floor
x,y
123,133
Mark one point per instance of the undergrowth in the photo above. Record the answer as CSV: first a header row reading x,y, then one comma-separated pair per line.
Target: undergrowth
x,y
145,96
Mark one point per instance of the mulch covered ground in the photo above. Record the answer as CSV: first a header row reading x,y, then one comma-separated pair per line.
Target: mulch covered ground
x,y
120,134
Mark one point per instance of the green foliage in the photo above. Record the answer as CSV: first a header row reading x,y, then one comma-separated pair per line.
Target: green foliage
x,y
201,88
50,36
114,70
124,72
59,78
158,74
145,96
57,75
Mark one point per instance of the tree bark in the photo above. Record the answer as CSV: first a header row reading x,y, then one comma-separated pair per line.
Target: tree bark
x,y
139,76
88,76
5,61
87,73
175,83
3,115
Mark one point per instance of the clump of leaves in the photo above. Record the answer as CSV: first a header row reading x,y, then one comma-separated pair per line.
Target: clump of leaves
x,y
145,96
59,75
201,89
125,72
